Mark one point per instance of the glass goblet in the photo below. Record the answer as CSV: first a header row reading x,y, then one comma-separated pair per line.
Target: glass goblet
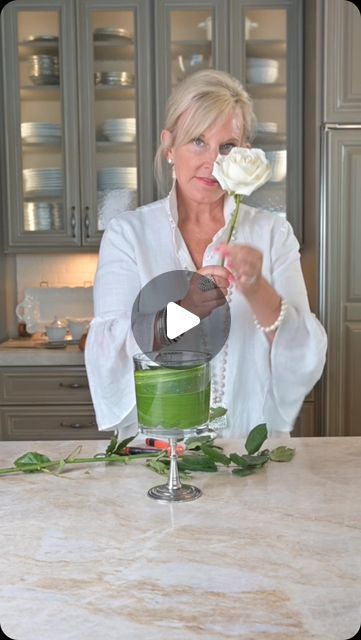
x,y
172,391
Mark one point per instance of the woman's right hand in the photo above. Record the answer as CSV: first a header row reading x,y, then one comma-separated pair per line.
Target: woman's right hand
x,y
202,303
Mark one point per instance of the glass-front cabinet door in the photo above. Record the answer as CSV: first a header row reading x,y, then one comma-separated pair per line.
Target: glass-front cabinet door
x,y
115,96
76,103
189,36
41,124
259,42
266,53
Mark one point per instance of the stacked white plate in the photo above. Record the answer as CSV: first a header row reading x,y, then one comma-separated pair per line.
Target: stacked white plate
x,y
261,70
43,181
267,127
43,216
42,38
44,69
116,177
108,33
122,78
40,132
120,129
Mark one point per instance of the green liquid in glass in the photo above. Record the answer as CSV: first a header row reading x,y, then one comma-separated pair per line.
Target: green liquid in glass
x,y
173,398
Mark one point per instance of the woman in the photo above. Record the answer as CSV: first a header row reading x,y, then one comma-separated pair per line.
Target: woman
x,y
276,348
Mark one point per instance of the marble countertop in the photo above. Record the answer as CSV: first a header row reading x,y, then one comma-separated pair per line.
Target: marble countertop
x,y
273,556
17,352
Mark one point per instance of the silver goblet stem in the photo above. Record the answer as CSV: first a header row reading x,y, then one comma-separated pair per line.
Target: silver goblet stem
x,y
174,482
174,490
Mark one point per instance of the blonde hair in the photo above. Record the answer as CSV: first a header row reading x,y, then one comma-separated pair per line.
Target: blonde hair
x,y
207,95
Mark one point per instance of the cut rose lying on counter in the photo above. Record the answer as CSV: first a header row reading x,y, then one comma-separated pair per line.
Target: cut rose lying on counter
x,y
201,454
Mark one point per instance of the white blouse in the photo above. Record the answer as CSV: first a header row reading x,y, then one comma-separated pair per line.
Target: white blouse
x,y
263,383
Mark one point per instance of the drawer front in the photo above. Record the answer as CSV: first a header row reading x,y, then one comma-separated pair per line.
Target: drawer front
x,y
49,423
44,386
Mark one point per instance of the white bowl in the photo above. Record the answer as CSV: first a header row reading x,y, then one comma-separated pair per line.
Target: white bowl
x,y
262,62
278,162
56,334
261,70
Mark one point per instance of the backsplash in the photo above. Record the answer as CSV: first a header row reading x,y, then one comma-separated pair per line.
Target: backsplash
x,y
59,270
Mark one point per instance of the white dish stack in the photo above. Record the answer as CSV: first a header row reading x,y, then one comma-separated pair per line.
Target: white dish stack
x,y
116,177
40,132
267,127
120,129
122,78
43,216
44,69
43,181
261,70
109,33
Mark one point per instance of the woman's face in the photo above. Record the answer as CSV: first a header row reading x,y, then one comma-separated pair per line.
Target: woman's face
x,y
193,161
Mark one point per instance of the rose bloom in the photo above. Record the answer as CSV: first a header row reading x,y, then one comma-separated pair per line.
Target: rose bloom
x,y
242,171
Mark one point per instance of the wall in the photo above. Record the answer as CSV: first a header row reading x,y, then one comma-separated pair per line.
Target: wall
x,y
23,270
57,270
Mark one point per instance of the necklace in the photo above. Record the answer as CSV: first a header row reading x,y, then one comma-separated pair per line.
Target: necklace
x,y
218,382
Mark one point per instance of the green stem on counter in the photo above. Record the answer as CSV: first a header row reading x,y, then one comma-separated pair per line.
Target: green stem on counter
x,y
44,466
238,199
8,470
202,454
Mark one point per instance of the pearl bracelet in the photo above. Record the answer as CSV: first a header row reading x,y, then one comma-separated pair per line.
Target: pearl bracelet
x,y
277,323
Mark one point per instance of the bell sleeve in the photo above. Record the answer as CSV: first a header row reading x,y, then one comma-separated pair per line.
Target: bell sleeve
x,y
298,352
110,344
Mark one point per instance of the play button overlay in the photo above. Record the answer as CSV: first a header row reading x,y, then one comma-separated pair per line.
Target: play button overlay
x,y
179,320
197,314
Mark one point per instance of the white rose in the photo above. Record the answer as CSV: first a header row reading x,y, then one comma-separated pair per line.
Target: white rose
x,y
242,171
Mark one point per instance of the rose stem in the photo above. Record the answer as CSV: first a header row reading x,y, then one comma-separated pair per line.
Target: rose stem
x,y
238,200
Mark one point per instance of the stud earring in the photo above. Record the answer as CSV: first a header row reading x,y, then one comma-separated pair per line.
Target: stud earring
x,y
169,161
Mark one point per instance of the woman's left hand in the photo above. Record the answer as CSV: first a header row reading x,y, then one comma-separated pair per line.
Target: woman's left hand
x,y
245,264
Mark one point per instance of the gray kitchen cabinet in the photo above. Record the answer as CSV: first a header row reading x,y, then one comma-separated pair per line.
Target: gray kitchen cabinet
x,y
341,284
84,73
46,385
307,423
46,403
340,224
76,100
2,297
342,73
48,423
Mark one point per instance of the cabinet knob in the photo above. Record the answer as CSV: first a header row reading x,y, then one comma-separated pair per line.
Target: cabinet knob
x,y
73,385
73,221
78,425
86,222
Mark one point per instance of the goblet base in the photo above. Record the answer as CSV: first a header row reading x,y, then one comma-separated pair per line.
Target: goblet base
x,y
173,490
184,493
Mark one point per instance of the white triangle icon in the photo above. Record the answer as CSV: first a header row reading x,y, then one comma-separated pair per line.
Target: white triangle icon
x,y
179,320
